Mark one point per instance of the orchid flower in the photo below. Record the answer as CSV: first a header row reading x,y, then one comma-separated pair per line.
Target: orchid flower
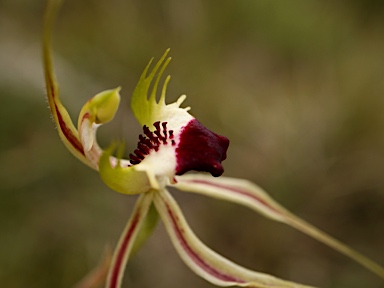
x,y
173,143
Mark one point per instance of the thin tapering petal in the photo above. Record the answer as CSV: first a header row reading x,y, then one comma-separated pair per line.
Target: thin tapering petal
x,y
248,194
65,127
127,240
204,261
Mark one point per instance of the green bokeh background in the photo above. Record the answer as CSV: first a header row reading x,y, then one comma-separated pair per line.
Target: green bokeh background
x,y
297,86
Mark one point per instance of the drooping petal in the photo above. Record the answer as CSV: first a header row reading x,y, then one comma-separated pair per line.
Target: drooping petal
x,y
204,261
248,194
148,109
65,127
120,178
127,240
97,111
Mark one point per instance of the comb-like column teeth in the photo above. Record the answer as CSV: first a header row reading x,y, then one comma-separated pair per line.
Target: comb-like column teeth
x,y
152,141
193,147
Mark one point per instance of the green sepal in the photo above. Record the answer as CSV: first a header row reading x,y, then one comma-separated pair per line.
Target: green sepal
x,y
147,229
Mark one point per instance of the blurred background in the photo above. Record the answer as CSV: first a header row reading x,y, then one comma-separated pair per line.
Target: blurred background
x,y
297,86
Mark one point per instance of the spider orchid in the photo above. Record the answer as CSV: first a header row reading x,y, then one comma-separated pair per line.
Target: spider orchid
x,y
173,142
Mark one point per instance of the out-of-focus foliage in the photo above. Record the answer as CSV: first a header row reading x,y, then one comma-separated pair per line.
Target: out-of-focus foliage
x,y
296,85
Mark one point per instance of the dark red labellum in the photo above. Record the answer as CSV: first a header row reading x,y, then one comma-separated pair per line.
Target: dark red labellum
x,y
200,149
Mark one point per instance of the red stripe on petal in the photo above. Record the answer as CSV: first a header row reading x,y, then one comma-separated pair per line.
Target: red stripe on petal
x,y
194,255
239,191
120,256
68,133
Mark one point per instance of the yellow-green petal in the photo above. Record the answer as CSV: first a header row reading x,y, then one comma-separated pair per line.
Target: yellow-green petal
x,y
67,131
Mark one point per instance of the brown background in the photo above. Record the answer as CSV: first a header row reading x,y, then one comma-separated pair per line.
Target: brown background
x,y
296,85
